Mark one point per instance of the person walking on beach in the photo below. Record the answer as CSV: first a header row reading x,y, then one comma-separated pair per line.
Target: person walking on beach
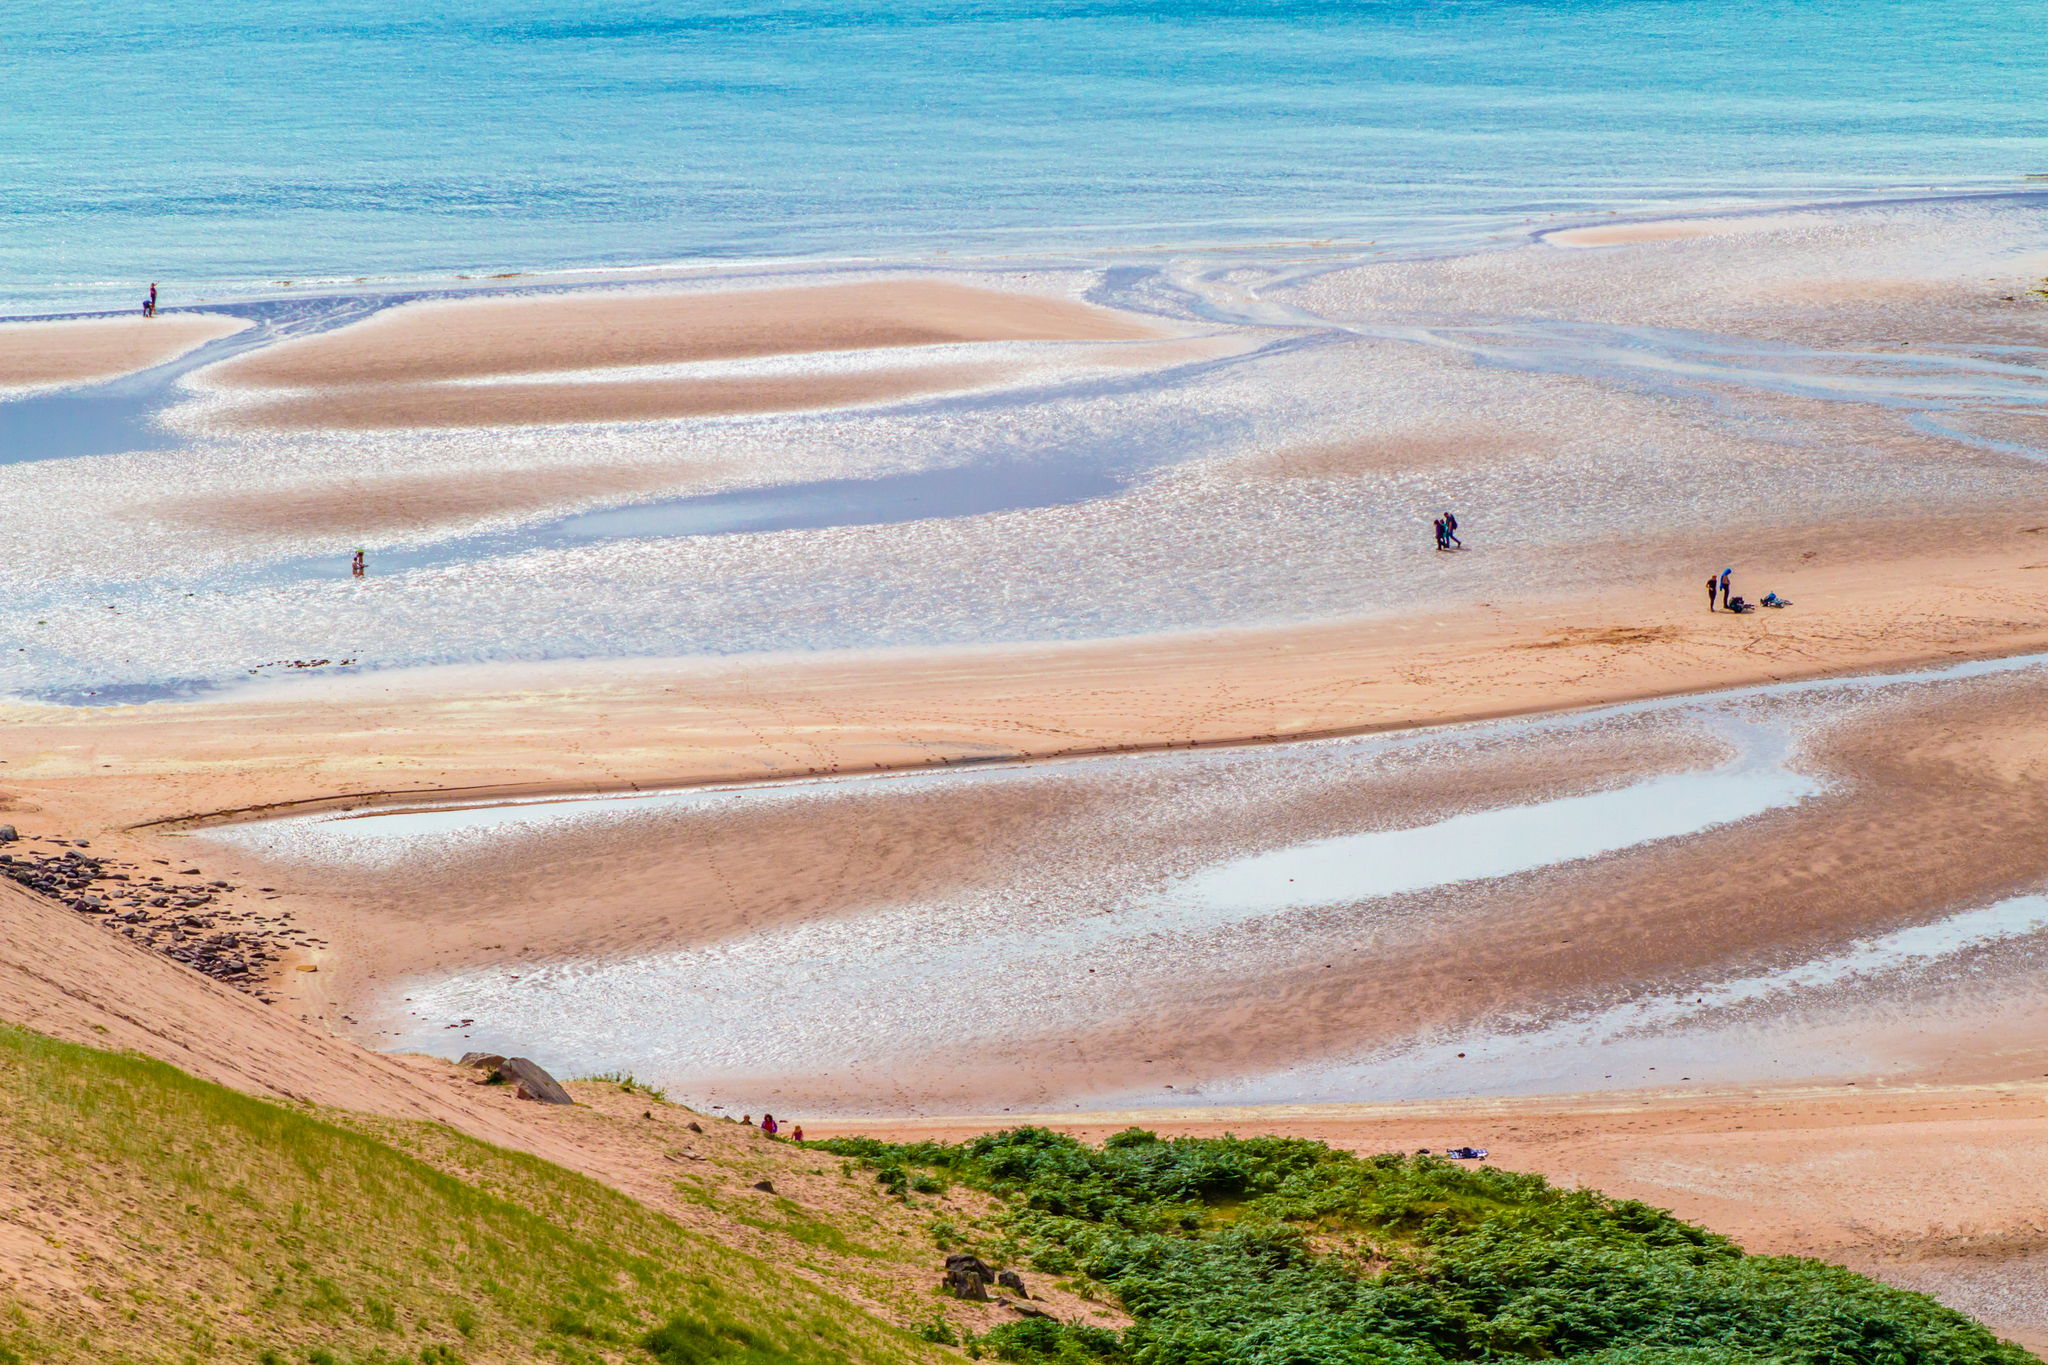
x,y
1451,530
1440,534
1726,574
1713,586
152,298
355,566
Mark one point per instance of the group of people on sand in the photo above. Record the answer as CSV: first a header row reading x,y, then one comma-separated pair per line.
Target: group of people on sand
x,y
1447,532
772,1128
1720,584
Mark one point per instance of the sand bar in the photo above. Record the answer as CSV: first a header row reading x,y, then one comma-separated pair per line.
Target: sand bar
x,y
1673,230
396,406
473,338
41,353
395,370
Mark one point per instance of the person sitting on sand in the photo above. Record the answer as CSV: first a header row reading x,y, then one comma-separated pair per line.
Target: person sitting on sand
x,y
796,1134
747,1119
769,1126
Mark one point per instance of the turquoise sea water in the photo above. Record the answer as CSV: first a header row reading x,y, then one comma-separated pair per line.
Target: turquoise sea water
x,y
221,146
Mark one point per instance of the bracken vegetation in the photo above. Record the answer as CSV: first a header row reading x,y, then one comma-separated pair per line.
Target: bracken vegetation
x,y
1274,1251
158,1217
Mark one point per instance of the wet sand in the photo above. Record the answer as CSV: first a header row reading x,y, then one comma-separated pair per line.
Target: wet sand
x,y
1927,807
35,354
1669,230
1873,597
399,407
394,370
1929,828
467,339
364,506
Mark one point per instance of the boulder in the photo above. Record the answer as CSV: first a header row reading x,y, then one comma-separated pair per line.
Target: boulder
x,y
965,1284
1010,1279
961,1260
482,1059
1030,1311
767,1185
529,1082
7,834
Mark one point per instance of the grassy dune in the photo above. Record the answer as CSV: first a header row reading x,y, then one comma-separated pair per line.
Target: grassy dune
x,y
163,1218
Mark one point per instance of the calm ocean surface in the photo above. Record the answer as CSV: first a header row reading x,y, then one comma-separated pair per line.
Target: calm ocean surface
x,y
225,145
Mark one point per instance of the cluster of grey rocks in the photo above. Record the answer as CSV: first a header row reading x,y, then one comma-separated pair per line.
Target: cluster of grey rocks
x,y
180,919
969,1277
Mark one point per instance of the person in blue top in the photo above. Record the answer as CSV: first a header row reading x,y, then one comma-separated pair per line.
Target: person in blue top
x,y
1726,574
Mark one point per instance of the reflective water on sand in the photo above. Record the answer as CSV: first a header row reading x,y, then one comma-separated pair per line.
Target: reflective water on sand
x,y
1066,953
1812,1018
1499,843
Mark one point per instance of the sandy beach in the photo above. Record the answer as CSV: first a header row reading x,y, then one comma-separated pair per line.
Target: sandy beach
x,y
693,721
41,354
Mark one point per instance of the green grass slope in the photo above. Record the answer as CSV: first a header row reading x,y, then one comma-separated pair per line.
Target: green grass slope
x,y
1275,1251
164,1218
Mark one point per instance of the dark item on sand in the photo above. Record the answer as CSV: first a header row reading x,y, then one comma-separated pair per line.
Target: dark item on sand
x,y
1465,1153
528,1081
1772,599
968,1277
1739,605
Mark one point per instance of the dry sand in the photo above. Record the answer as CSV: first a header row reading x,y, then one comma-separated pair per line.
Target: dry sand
x,y
476,338
392,371
401,406
1874,597
40,353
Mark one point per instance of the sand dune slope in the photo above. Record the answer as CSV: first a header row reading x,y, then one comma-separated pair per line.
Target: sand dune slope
x,y
64,975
